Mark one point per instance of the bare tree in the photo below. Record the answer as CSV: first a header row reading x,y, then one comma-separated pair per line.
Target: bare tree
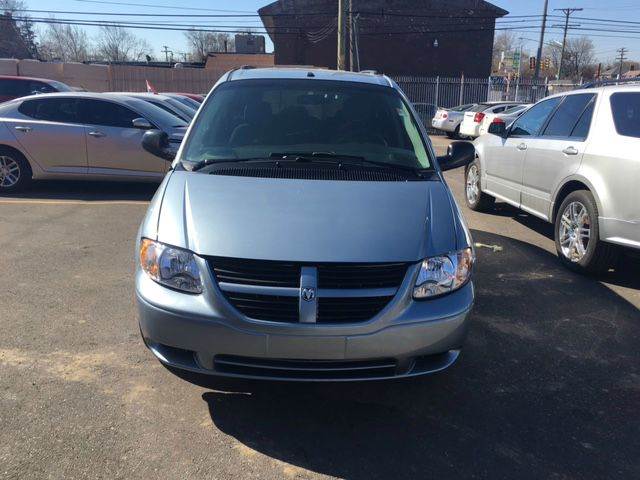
x,y
68,43
505,42
201,43
579,58
21,25
117,44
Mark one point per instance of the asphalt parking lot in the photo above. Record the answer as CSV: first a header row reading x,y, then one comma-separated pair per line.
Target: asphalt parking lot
x,y
548,385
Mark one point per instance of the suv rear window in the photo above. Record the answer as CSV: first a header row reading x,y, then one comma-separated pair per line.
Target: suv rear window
x,y
625,107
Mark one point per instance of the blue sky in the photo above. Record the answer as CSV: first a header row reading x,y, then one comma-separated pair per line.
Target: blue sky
x,y
597,9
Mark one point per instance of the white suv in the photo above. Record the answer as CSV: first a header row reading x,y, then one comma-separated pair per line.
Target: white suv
x,y
571,159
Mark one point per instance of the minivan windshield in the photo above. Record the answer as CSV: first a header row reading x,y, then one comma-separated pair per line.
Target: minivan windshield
x,y
259,118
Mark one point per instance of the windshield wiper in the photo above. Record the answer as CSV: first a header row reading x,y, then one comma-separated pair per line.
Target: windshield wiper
x,y
340,159
219,161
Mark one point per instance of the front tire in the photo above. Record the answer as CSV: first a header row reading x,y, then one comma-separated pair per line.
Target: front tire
x,y
474,197
577,235
15,171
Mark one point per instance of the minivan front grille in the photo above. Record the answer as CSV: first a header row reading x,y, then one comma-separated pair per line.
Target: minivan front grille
x,y
269,290
256,272
265,307
349,309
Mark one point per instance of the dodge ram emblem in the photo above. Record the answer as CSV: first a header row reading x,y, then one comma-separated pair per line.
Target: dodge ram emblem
x,y
308,293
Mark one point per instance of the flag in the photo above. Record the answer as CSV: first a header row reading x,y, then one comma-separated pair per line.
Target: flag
x,y
150,88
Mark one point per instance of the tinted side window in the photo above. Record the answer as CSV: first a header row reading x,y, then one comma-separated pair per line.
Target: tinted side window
x,y
533,119
567,115
63,110
14,88
109,114
625,107
581,130
39,87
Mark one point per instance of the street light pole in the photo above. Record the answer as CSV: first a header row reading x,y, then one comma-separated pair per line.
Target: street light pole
x,y
544,26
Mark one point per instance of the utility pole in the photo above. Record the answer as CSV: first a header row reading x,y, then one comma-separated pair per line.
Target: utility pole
x,y
622,51
567,13
350,17
539,56
356,37
342,30
166,51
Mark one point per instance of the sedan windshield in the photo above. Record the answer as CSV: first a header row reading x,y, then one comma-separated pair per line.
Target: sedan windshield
x,y
257,118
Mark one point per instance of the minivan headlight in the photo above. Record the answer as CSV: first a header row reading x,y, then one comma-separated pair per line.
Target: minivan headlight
x,y
443,274
170,266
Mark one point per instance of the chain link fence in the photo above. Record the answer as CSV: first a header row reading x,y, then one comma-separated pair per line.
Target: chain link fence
x,y
429,93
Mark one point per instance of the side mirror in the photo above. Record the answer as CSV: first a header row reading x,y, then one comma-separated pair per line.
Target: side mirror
x,y
156,142
497,128
459,154
141,123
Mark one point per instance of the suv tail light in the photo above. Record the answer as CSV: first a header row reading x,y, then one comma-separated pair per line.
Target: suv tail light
x,y
444,115
497,121
478,117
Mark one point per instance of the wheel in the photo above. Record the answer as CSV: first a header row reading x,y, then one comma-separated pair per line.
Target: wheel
x,y
475,198
454,134
15,172
577,235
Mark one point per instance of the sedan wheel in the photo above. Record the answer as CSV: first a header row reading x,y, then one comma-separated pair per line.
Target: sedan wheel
x,y
575,231
9,172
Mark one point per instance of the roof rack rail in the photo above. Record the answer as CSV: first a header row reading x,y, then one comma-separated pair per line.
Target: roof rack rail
x,y
609,81
369,72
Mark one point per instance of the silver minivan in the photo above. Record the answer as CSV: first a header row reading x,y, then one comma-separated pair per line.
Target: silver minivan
x,y
305,232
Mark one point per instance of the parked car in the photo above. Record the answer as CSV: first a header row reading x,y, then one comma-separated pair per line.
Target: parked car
x,y
507,117
305,232
449,119
80,136
164,102
473,117
193,96
185,99
14,87
571,159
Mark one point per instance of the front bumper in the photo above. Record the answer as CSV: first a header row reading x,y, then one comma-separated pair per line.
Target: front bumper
x,y
205,334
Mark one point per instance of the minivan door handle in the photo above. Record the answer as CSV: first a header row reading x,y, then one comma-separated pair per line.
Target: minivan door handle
x,y
522,147
23,128
95,133
570,151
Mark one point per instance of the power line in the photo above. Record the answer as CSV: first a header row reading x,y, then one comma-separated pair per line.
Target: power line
x,y
129,4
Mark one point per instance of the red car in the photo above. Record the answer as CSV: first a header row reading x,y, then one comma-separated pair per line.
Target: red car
x,y
15,87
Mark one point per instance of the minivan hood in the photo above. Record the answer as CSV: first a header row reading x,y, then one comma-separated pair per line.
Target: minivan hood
x,y
307,220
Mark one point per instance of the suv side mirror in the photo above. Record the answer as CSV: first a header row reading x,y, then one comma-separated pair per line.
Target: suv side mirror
x,y
497,128
459,154
156,142
141,123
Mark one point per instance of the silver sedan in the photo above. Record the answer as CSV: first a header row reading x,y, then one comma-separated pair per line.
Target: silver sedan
x,y
80,136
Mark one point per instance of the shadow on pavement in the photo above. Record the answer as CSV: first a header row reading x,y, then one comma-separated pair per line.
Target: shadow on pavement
x,y
547,387
88,191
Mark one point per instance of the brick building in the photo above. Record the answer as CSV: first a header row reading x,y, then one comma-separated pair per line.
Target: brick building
x,y
397,37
